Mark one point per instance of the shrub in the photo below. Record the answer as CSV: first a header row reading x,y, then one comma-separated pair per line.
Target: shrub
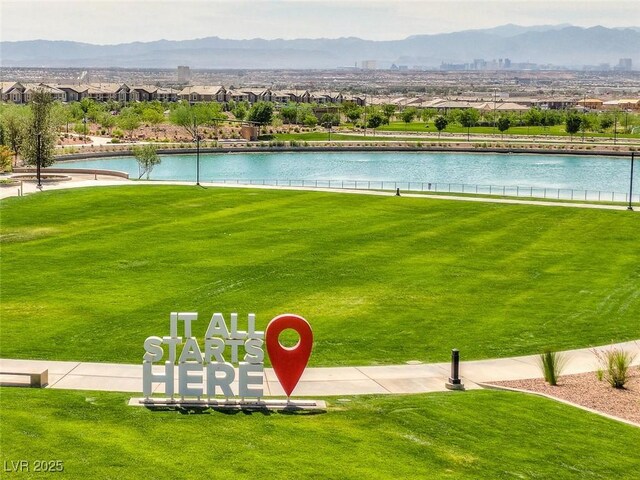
x,y
615,364
552,364
5,159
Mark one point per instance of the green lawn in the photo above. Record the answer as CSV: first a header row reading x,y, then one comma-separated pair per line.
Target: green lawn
x,y
335,137
556,130
88,274
474,435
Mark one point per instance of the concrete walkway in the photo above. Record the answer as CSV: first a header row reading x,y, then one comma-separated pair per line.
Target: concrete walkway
x,y
85,180
399,379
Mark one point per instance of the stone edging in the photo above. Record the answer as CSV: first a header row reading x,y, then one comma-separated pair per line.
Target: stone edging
x,y
178,151
90,171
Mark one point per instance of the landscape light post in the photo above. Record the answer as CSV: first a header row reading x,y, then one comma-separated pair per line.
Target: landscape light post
x,y
615,127
630,207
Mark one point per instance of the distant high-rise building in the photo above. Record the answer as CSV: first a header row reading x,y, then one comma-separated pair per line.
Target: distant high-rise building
x,y
479,64
184,74
368,65
625,65
507,63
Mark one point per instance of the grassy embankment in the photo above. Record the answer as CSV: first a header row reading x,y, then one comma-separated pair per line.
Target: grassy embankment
x,y
88,274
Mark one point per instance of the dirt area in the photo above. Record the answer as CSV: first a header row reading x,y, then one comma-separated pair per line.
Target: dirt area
x,y
71,140
585,389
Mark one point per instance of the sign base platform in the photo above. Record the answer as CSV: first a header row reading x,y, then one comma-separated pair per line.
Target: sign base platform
x,y
229,404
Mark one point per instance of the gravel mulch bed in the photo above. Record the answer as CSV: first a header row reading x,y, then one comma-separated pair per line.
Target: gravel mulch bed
x,y
586,390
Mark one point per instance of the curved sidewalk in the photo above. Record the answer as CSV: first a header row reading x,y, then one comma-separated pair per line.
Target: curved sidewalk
x,y
391,379
82,180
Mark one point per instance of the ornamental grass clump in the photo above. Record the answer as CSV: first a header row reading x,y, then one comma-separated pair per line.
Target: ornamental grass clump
x,y
615,364
552,364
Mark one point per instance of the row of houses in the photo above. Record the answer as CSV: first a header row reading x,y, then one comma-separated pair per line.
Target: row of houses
x,y
620,104
514,105
17,92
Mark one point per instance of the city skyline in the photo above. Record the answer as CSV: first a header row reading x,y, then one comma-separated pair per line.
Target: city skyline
x,y
100,22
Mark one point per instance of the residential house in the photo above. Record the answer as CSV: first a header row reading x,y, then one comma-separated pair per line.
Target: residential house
x,y
298,96
143,93
622,104
327,97
203,93
31,88
166,94
236,96
557,103
591,103
74,93
12,92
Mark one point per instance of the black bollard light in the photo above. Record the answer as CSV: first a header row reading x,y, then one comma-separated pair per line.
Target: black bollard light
x,y
398,192
454,382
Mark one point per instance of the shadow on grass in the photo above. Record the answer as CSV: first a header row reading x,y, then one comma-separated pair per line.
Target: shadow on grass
x,y
293,410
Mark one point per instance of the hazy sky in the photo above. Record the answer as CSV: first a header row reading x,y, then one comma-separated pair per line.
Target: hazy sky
x,y
118,21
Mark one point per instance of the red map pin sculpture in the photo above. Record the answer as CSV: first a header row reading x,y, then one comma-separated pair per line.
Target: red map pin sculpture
x,y
289,362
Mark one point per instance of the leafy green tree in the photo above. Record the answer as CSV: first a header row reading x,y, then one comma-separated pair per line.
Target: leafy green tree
x,y
352,111
573,123
61,116
375,120
76,112
38,142
330,119
453,115
128,120
107,121
192,117
428,113
14,122
468,118
310,120
240,111
289,112
152,116
147,157
388,110
606,122
261,112
409,114
306,116
503,124
441,123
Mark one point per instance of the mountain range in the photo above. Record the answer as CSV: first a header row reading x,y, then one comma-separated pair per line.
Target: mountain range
x,y
543,44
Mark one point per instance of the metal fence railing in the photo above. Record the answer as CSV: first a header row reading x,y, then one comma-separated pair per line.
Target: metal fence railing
x,y
441,187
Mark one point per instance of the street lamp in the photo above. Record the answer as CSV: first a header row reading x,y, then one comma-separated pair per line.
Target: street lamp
x,y
197,139
328,125
584,114
365,114
630,207
38,159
